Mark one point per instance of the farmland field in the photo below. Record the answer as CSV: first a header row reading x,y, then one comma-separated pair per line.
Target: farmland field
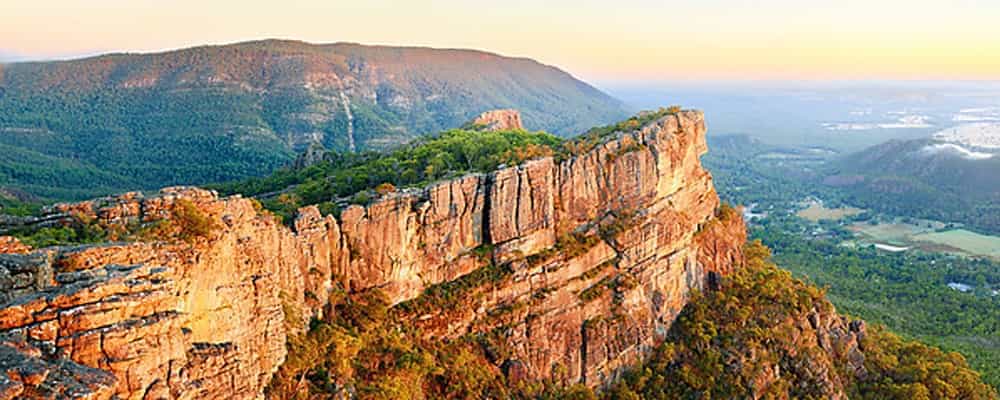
x,y
928,239
898,234
966,241
816,212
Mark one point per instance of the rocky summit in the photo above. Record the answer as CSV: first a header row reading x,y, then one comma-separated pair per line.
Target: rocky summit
x,y
499,120
615,240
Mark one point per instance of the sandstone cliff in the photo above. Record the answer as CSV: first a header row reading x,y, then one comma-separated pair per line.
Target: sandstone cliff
x,y
603,248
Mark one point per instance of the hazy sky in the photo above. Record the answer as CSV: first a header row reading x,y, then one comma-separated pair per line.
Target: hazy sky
x,y
597,40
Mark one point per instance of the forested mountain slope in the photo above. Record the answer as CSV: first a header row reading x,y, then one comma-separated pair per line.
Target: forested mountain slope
x,y
80,128
925,178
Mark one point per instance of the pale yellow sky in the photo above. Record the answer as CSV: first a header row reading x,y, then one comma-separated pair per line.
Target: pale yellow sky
x,y
597,40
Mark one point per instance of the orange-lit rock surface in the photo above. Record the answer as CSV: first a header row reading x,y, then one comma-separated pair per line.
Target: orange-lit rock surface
x,y
499,120
605,248
10,245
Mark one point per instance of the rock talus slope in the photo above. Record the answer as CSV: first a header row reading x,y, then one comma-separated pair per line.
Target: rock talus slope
x,y
603,250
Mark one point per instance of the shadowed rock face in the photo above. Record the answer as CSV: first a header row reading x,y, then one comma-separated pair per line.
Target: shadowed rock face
x,y
605,248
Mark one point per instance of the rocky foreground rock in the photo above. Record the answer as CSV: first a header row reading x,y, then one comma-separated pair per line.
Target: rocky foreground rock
x,y
605,248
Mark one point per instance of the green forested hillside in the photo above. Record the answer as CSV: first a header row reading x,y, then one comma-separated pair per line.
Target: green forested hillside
x,y
118,122
907,292
724,340
908,178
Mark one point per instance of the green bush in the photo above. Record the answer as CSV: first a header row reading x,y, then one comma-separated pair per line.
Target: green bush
x,y
191,221
74,233
445,155
186,223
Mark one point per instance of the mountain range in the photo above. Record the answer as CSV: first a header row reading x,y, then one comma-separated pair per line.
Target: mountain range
x,y
79,128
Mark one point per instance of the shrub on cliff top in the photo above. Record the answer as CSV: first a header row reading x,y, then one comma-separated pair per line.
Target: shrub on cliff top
x,y
79,229
74,233
191,221
385,188
186,223
448,154
595,136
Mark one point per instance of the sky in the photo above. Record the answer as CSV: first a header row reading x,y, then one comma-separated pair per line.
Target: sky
x,y
622,40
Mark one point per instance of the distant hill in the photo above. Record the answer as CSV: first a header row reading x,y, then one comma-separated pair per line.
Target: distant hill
x,y
747,170
928,178
73,129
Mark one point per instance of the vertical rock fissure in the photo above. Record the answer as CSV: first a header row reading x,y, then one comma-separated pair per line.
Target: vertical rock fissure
x,y
470,208
521,177
583,352
603,175
531,194
488,182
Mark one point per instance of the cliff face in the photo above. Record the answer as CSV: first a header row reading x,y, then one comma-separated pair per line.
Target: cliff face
x,y
603,250
153,320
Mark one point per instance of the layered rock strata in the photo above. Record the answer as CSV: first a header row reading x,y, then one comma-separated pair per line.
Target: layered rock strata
x,y
604,248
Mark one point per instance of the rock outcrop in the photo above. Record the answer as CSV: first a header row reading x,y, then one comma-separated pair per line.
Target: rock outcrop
x,y
163,320
603,248
836,341
498,120
10,245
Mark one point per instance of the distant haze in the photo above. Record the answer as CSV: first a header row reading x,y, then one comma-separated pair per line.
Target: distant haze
x,y
595,40
845,116
8,57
